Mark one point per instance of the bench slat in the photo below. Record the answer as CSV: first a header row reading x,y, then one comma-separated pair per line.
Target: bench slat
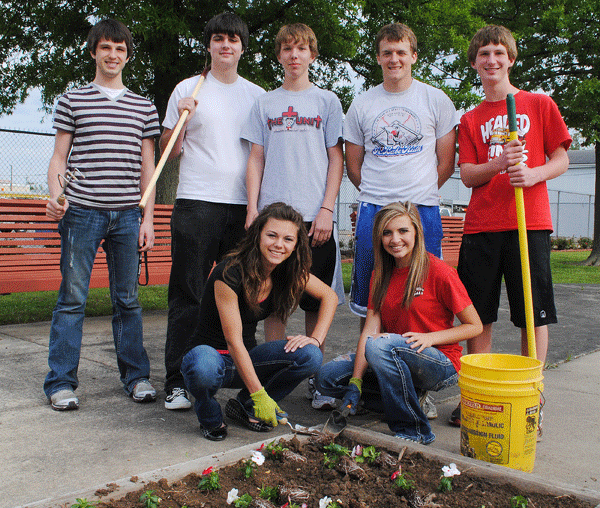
x,y
30,249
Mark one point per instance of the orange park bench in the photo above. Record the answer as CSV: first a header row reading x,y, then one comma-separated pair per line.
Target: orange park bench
x,y
30,249
453,232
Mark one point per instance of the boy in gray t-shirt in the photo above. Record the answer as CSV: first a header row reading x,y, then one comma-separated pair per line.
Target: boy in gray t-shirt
x,y
296,156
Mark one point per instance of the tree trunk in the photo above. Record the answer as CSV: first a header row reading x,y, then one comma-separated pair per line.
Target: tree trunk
x,y
164,83
594,257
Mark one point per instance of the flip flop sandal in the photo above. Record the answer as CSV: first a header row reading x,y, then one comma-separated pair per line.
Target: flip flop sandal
x,y
236,411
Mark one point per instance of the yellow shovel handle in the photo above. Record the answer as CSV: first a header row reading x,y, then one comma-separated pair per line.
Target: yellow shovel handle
x,y
523,246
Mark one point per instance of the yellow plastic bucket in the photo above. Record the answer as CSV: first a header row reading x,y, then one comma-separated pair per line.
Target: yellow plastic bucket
x,y
500,404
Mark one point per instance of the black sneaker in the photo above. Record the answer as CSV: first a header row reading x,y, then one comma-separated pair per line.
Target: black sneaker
x,y
177,398
455,417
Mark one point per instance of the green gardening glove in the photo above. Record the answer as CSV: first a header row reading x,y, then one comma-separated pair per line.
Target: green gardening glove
x,y
265,408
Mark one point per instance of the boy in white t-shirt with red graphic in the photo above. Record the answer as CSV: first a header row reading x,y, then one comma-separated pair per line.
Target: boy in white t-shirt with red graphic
x,y
492,167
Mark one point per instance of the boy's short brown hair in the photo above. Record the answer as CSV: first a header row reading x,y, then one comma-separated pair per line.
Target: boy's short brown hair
x,y
492,34
297,32
110,30
395,32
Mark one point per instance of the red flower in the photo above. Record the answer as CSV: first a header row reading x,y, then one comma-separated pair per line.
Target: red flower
x,y
208,470
261,447
396,473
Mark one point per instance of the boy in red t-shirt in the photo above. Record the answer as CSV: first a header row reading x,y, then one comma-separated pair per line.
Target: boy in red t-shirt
x,y
492,167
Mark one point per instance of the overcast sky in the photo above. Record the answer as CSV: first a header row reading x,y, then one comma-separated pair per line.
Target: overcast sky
x,y
27,116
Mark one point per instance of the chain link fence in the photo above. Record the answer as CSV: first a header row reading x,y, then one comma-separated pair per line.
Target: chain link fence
x,y
25,158
24,163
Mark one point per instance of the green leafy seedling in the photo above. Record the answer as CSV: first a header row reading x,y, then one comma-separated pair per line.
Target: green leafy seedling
x,y
404,483
210,482
369,454
243,501
270,493
518,502
336,451
247,468
83,503
445,484
274,450
334,504
149,499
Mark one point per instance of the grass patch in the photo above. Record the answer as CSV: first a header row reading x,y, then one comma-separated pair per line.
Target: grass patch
x,y
347,276
38,306
567,270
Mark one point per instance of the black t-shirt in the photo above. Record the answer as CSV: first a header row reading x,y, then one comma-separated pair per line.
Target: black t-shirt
x,y
209,330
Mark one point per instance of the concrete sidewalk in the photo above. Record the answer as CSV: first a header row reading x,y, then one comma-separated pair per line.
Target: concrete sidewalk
x,y
49,455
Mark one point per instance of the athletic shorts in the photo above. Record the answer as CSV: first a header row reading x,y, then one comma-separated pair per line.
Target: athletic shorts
x,y
323,266
362,267
487,257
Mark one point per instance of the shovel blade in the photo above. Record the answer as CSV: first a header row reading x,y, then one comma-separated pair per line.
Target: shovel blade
x,y
337,422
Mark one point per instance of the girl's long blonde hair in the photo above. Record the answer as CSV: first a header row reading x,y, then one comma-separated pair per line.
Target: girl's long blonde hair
x,y
384,263
289,278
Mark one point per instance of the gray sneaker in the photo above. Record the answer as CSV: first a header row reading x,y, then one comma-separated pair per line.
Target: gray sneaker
x,y
321,401
143,391
64,400
428,406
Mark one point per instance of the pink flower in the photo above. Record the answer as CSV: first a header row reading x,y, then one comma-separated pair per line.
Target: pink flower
x,y
357,451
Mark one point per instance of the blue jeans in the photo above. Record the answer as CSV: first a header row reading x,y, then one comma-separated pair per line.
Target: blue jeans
x,y
81,231
402,376
205,371
362,267
201,233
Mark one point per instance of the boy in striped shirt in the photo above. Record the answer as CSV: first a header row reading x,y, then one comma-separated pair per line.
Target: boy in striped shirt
x,y
106,132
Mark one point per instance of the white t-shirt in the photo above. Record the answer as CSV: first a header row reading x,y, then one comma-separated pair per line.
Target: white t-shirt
x,y
295,129
213,163
399,133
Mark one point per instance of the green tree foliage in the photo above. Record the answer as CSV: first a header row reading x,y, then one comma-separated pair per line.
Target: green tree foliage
x,y
443,29
42,43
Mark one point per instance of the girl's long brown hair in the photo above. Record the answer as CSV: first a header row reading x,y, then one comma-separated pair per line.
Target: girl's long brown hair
x,y
289,278
384,263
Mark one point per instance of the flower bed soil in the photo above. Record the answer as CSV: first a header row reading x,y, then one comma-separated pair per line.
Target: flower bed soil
x,y
371,487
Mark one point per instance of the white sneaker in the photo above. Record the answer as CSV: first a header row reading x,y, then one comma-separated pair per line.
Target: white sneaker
x,y
428,406
64,400
177,399
143,391
321,401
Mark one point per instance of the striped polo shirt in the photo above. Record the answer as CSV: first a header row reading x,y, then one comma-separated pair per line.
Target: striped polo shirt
x,y
107,145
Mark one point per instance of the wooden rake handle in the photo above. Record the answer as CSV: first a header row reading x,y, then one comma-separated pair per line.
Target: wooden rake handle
x,y
170,144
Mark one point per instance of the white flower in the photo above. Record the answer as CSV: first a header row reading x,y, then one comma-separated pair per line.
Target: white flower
x,y
356,451
232,496
324,502
450,471
258,458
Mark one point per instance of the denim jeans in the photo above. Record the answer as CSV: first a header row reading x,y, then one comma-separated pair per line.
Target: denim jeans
x,y
402,376
82,230
205,371
201,233
333,377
